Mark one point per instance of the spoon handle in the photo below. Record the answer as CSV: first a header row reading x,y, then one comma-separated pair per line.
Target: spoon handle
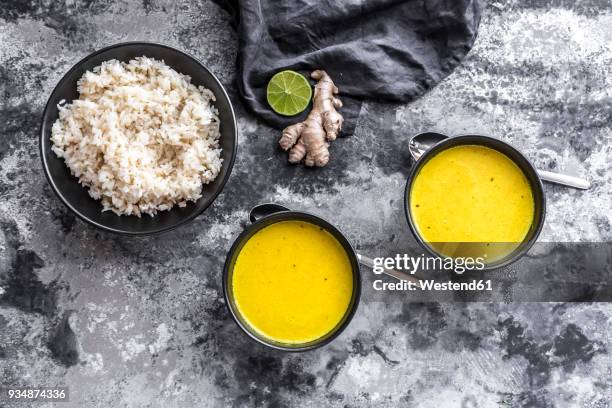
x,y
369,262
564,179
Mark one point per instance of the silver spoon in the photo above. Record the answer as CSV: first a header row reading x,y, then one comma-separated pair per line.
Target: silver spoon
x,y
422,142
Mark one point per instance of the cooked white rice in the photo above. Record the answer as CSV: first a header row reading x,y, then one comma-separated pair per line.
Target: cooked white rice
x,y
141,137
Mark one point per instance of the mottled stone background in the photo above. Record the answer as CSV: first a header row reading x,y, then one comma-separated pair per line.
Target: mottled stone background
x,y
140,322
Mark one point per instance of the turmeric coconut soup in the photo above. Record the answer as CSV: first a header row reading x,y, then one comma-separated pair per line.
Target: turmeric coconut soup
x,y
292,282
471,200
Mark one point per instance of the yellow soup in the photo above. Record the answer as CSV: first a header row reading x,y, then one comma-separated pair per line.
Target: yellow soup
x,y
474,194
292,282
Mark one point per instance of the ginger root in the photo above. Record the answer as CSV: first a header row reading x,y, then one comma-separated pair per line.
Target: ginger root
x,y
309,140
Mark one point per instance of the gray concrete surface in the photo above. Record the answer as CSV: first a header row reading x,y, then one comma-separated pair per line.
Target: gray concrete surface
x,y
140,322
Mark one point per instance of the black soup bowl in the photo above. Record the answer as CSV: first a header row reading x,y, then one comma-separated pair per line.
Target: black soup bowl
x,y
514,250
76,197
262,216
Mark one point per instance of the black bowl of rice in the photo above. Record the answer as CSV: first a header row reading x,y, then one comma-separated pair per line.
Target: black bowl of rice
x,y
138,138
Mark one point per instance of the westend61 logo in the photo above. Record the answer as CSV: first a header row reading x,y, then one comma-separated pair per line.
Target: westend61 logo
x,y
412,264
409,265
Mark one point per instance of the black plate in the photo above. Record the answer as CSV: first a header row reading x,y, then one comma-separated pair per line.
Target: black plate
x,y
77,198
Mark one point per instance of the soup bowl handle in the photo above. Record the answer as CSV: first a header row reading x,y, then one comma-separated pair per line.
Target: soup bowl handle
x,y
263,210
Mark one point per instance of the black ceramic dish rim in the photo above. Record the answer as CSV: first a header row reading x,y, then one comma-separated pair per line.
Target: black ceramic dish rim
x,y
291,215
487,141
119,231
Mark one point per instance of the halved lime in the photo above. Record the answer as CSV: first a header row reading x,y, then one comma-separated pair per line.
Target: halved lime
x,y
288,93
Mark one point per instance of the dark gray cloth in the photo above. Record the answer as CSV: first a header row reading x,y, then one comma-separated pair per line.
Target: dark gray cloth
x,y
380,50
